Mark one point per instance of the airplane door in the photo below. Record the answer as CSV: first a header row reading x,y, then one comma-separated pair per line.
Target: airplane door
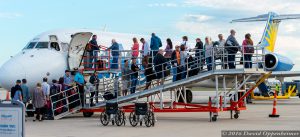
x,y
77,47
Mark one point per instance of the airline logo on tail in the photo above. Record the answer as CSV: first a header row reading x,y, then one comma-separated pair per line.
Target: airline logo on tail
x,y
270,34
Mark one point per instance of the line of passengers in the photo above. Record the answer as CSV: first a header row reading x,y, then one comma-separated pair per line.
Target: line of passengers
x,y
155,60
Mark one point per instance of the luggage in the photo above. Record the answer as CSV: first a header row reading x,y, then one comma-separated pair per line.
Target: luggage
x,y
30,110
108,95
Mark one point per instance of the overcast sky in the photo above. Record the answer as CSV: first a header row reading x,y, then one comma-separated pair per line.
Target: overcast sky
x,y
21,20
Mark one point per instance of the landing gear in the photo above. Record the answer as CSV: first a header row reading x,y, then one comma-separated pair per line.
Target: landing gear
x,y
88,114
189,96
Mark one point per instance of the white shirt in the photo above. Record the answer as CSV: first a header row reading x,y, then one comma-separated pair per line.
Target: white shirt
x,y
187,45
146,51
46,88
208,50
222,43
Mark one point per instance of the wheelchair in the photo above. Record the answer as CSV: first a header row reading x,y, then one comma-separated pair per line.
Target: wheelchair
x,y
142,113
112,114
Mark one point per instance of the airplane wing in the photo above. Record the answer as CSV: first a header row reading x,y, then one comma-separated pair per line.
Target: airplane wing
x,y
285,74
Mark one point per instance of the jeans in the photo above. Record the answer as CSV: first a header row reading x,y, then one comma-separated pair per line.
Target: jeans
x,y
231,61
183,72
174,72
93,59
248,61
133,84
114,64
209,63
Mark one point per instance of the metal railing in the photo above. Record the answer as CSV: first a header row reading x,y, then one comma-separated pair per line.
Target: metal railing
x,y
217,58
65,101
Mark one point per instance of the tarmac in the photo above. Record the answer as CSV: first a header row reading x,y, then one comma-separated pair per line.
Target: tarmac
x,y
174,124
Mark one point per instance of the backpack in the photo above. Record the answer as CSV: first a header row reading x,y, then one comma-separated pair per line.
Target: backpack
x,y
232,49
54,89
249,49
12,92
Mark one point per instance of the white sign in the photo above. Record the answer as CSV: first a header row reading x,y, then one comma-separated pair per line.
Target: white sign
x,y
11,121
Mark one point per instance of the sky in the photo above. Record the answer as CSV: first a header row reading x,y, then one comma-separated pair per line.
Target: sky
x,y
21,20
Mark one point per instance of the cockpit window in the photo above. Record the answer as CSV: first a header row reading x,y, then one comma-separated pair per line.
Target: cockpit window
x,y
54,45
42,45
30,45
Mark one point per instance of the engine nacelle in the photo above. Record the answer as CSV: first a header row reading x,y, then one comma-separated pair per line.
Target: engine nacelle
x,y
275,62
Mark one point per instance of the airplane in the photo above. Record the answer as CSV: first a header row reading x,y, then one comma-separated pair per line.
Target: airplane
x,y
51,53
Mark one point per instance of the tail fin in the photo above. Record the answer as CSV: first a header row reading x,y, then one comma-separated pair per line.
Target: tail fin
x,y
270,34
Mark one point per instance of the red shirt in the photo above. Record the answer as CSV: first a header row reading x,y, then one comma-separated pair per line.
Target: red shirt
x,y
135,50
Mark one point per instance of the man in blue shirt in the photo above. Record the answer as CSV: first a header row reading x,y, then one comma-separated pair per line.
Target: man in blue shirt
x,y
155,44
79,80
94,51
115,54
25,90
67,80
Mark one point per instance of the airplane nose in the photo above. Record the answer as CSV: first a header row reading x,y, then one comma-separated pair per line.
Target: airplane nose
x,y
11,71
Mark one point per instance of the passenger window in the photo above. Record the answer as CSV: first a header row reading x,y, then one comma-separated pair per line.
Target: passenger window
x,y
42,45
54,45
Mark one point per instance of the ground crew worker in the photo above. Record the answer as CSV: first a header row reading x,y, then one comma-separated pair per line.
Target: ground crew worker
x,y
277,88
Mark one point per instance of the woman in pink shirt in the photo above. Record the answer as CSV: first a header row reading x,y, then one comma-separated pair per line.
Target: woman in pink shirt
x,y
248,50
135,48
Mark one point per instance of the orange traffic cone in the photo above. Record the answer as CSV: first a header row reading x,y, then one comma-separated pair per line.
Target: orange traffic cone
x,y
274,112
7,96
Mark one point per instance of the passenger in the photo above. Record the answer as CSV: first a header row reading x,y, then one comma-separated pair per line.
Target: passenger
x,y
183,61
46,88
224,52
54,96
68,80
62,96
160,64
79,80
18,96
94,80
193,66
125,78
199,50
232,47
248,50
134,75
168,49
155,44
94,51
135,48
15,88
38,101
150,75
26,95
116,86
115,54
145,49
185,43
208,52
176,64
